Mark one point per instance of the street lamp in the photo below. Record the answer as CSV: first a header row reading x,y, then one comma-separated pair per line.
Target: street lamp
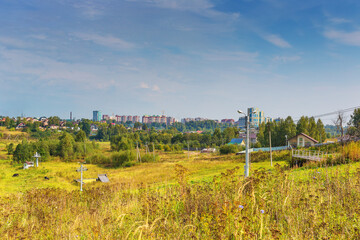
x,y
247,159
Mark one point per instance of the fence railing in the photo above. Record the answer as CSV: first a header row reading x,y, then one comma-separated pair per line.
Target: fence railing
x,y
311,155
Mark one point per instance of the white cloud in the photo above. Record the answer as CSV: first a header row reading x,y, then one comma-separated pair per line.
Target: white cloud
x,y
13,42
348,38
201,7
107,41
144,85
90,9
231,56
179,4
339,20
286,59
277,41
154,88
47,71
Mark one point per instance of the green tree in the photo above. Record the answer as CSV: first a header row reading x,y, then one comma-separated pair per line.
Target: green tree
x,y
10,148
355,123
54,121
321,130
137,125
302,125
85,126
313,129
217,136
80,136
66,146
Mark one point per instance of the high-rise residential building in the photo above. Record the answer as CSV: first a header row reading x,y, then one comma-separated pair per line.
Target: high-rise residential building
x,y
129,118
256,117
136,119
97,116
170,120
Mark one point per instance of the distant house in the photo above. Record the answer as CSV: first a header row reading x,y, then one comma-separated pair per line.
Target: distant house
x,y
54,127
208,150
302,140
93,129
20,126
252,136
238,141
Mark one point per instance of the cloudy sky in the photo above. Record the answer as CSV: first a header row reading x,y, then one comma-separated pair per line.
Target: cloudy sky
x,y
187,58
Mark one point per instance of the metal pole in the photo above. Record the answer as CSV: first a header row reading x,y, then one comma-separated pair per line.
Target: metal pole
x,y
81,180
247,145
37,162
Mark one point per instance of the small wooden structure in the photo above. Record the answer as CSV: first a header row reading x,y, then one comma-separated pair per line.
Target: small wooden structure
x,y
302,140
101,178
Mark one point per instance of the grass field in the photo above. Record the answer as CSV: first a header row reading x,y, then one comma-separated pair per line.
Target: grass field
x,y
202,167
195,196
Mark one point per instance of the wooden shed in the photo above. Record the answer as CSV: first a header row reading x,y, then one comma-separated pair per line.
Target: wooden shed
x,y
302,140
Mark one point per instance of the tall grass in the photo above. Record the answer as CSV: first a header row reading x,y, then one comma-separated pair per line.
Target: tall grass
x,y
268,205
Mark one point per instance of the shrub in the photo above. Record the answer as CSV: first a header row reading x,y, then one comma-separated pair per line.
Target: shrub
x,y
119,158
98,159
352,151
167,148
226,149
149,158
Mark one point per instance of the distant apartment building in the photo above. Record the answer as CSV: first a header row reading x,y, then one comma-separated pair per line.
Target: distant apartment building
x,y
229,121
170,120
106,117
158,119
124,118
198,119
97,116
256,117
136,119
129,118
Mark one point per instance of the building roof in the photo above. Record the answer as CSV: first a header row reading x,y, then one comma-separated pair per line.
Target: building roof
x,y
306,136
236,141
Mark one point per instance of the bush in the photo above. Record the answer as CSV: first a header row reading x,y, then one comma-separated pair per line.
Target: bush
x,y
167,148
119,158
226,149
149,158
352,151
98,159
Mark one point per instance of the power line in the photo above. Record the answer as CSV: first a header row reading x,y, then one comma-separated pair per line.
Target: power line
x,y
336,112
332,113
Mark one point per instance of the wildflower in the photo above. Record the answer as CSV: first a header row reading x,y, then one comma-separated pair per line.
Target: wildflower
x,y
318,172
262,211
241,206
314,177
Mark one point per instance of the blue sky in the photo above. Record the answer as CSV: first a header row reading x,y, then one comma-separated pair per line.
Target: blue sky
x,y
187,58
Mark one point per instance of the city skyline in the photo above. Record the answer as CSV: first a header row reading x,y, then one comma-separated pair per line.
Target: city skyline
x,y
188,58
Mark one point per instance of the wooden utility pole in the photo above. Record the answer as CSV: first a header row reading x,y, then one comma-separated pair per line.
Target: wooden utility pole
x,y
270,148
188,151
153,151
